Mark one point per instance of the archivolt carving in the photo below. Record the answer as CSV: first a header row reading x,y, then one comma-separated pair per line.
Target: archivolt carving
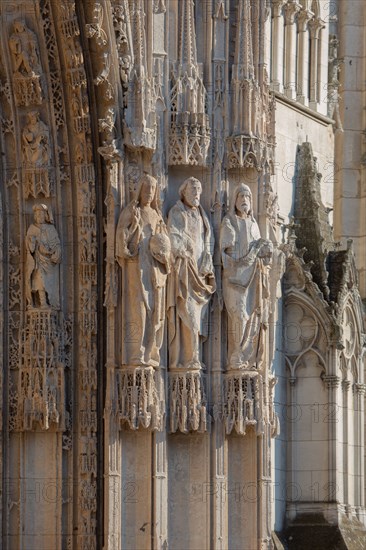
x,y
36,157
41,401
23,46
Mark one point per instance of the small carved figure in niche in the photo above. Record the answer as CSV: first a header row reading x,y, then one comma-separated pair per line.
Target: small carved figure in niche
x,y
143,252
192,281
36,142
246,259
43,249
24,49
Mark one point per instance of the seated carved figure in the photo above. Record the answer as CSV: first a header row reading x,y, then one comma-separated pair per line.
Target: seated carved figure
x,y
36,142
192,281
43,248
246,259
143,252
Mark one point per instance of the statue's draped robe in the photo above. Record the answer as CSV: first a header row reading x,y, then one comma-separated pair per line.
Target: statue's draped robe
x,y
191,283
43,256
245,290
143,287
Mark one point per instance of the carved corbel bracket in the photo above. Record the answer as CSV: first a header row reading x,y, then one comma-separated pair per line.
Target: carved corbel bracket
x,y
243,402
141,398
331,381
244,151
187,402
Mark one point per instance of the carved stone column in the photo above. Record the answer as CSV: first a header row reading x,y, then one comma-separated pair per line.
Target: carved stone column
x,y
303,57
315,26
291,9
277,45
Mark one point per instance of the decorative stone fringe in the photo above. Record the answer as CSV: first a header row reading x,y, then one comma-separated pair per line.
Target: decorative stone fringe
x,y
140,403
243,402
188,408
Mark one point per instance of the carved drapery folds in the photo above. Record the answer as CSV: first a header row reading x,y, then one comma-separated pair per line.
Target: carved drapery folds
x,y
191,285
246,262
143,252
189,127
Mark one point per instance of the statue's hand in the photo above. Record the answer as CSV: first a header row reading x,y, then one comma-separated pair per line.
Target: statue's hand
x,y
136,216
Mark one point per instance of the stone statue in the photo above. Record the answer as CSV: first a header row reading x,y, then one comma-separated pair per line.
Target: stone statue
x,y
43,250
143,252
36,142
246,259
24,48
192,281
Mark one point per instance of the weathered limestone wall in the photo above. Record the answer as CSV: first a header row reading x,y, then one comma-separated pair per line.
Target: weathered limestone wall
x,y
146,319
350,186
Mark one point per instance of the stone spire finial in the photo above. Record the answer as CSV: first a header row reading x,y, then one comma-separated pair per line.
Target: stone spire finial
x,y
244,48
187,38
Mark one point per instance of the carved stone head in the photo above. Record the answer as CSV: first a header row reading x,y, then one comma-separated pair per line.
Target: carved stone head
x,y
242,201
190,192
42,214
147,191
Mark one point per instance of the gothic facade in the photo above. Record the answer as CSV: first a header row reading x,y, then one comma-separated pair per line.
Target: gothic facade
x,y
182,274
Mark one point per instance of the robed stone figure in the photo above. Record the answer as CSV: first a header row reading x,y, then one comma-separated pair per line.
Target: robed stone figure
x,y
192,280
143,252
43,250
246,259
